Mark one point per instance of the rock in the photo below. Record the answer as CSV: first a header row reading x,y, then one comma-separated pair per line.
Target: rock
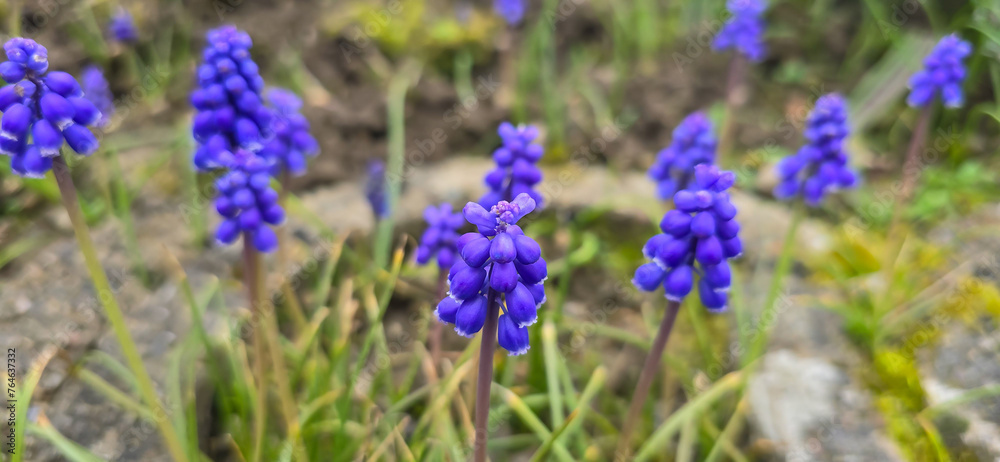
x,y
965,359
809,409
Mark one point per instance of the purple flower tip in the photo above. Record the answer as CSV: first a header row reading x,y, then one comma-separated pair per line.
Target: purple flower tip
x,y
943,74
821,166
744,31
230,113
693,144
516,172
122,27
291,143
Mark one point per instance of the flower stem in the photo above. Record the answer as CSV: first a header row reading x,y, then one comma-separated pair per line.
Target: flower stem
x,y
735,97
251,276
768,315
649,371
485,379
912,168
295,311
114,314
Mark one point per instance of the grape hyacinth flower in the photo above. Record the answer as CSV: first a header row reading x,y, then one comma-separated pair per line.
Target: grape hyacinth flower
x,y
291,142
441,236
497,259
41,110
821,166
744,31
497,262
97,90
230,112
511,11
122,27
693,144
699,237
376,189
516,172
247,202
942,75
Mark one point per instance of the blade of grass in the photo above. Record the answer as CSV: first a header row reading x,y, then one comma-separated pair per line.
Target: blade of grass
x,y
70,450
552,360
658,442
24,396
533,422
575,420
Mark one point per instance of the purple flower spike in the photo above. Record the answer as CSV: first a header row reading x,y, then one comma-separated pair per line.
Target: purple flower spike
x,y
292,142
247,203
229,109
516,172
745,30
498,259
122,27
943,74
98,92
375,189
698,240
511,11
441,236
41,110
693,144
821,166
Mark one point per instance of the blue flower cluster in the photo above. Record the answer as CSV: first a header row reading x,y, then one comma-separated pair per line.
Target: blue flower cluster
x,y
516,172
441,236
511,11
247,202
702,231
497,260
375,189
943,74
230,112
122,27
693,144
97,90
821,166
47,107
291,141
745,30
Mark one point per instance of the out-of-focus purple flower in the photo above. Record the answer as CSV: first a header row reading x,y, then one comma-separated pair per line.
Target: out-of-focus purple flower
x,y
122,27
47,108
230,113
375,189
744,32
441,235
699,237
97,90
247,203
516,172
943,74
693,144
821,166
291,142
511,11
499,260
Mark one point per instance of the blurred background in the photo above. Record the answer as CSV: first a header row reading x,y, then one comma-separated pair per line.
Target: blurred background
x,y
606,82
